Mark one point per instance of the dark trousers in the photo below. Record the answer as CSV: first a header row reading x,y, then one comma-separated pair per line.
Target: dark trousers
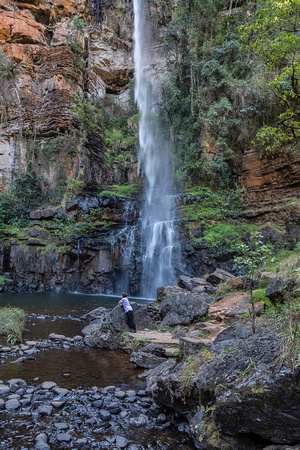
x,y
130,321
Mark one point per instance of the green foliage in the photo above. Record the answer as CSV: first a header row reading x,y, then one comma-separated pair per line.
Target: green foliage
x,y
6,67
123,191
274,36
3,280
285,318
24,194
12,321
259,295
254,254
250,366
207,91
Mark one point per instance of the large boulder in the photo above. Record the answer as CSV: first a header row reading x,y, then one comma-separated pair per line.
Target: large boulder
x,y
182,307
219,276
149,357
108,332
240,388
195,284
279,290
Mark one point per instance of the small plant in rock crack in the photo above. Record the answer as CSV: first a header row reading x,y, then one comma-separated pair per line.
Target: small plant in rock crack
x,y
208,409
251,365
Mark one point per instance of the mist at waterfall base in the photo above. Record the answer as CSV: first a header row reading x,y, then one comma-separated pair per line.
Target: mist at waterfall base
x,y
159,241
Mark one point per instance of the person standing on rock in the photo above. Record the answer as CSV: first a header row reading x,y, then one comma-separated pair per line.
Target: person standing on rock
x,y
128,311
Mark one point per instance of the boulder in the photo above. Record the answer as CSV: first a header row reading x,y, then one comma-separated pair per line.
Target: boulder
x,y
42,214
149,357
279,290
106,333
219,276
195,284
183,307
250,395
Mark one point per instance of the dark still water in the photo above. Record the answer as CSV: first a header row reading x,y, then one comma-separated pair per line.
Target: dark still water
x,y
74,305
60,313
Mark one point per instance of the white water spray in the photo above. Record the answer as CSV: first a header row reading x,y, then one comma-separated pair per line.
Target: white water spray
x,y
158,236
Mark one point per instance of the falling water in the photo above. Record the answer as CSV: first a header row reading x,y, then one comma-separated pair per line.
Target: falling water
x,y
158,237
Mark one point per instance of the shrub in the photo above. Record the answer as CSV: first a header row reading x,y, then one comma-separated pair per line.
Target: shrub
x,y
12,321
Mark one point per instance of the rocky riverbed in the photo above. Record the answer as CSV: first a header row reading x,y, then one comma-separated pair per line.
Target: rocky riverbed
x,y
45,416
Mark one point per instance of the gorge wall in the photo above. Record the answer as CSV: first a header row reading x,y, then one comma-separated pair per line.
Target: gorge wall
x,y
51,51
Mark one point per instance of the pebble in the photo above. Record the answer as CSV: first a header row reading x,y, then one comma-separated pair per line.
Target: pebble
x,y
121,442
45,410
64,437
61,425
120,395
82,416
48,385
4,390
11,405
105,415
60,391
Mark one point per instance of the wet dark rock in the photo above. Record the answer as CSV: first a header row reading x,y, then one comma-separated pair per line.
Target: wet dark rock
x,y
279,290
2,403
105,415
182,307
97,313
42,214
219,276
162,418
98,403
146,360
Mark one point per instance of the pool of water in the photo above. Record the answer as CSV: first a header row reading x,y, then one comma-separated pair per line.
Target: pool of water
x,y
63,304
60,313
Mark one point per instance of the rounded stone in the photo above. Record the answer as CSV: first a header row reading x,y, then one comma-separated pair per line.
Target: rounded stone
x,y
64,437
11,405
4,390
121,442
105,415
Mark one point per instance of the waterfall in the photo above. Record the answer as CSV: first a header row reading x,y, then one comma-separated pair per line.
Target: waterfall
x,y
158,237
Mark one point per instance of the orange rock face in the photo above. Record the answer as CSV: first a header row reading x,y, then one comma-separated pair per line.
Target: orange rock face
x,y
35,35
270,180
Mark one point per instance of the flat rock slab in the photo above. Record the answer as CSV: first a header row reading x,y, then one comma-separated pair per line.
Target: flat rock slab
x,y
156,337
60,391
48,385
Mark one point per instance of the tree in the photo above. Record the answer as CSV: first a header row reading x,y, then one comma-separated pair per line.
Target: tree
x,y
274,36
253,255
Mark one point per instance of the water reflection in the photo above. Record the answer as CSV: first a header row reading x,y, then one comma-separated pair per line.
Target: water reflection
x,y
87,366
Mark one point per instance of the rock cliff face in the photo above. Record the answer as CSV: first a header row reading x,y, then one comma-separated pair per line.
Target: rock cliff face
x,y
57,55
270,180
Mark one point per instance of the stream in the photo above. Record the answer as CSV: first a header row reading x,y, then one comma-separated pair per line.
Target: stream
x,y
79,369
